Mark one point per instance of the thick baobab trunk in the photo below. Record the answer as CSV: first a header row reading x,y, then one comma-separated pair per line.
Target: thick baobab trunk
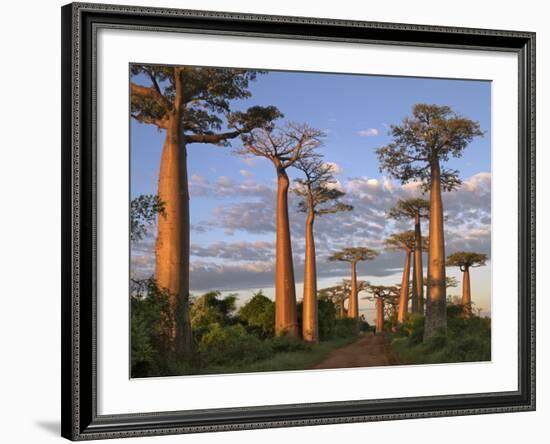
x,y
404,292
436,310
286,321
466,295
418,278
379,315
172,247
310,330
353,304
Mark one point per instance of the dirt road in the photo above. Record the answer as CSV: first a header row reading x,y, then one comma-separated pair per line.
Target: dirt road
x,y
367,351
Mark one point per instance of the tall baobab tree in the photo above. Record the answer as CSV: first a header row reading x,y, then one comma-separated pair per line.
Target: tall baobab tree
x,y
466,260
190,105
354,255
404,241
420,145
319,196
284,147
414,208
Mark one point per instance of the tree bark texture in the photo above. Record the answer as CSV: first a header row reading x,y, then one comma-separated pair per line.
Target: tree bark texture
x,y
353,304
404,291
172,246
286,321
436,313
379,315
466,292
418,282
310,330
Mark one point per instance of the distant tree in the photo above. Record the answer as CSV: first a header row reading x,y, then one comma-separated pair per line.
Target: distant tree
x,y
420,144
318,196
212,308
382,295
414,208
464,261
191,105
337,295
404,241
259,314
354,255
284,147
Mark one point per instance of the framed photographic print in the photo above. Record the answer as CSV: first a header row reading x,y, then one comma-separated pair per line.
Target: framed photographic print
x,y
280,221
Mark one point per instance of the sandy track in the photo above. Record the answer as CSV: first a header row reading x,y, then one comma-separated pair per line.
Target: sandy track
x,y
367,351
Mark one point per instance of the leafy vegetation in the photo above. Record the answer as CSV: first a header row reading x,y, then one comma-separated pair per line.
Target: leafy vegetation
x,y
468,339
227,339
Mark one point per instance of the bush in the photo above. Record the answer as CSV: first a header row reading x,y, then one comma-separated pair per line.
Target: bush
x,y
148,306
223,345
210,308
327,319
258,315
467,339
345,328
287,343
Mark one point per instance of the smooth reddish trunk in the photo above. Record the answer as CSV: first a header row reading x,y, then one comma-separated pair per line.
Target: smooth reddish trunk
x,y
353,304
379,315
466,294
172,246
436,310
286,321
418,278
310,330
404,292
342,310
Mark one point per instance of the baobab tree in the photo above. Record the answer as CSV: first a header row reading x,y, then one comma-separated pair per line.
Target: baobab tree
x,y
319,196
354,255
414,208
284,147
420,145
404,241
337,296
466,260
190,105
382,294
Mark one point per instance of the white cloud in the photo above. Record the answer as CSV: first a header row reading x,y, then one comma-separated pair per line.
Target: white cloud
x,y
246,173
335,168
369,132
250,161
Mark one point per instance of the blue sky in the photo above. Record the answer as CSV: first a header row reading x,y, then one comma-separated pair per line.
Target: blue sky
x,y
355,111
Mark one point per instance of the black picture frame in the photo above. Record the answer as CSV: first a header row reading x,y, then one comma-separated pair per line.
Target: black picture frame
x,y
80,420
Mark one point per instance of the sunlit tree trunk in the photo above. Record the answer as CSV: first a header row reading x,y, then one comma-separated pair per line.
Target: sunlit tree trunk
x,y
310,329
436,315
286,321
342,310
404,291
466,294
379,315
418,278
353,304
172,246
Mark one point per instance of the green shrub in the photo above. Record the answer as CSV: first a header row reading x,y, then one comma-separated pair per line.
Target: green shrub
x,y
210,308
287,343
467,339
345,328
229,344
148,305
258,315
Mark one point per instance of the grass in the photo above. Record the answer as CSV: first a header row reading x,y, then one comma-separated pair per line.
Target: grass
x,y
289,360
